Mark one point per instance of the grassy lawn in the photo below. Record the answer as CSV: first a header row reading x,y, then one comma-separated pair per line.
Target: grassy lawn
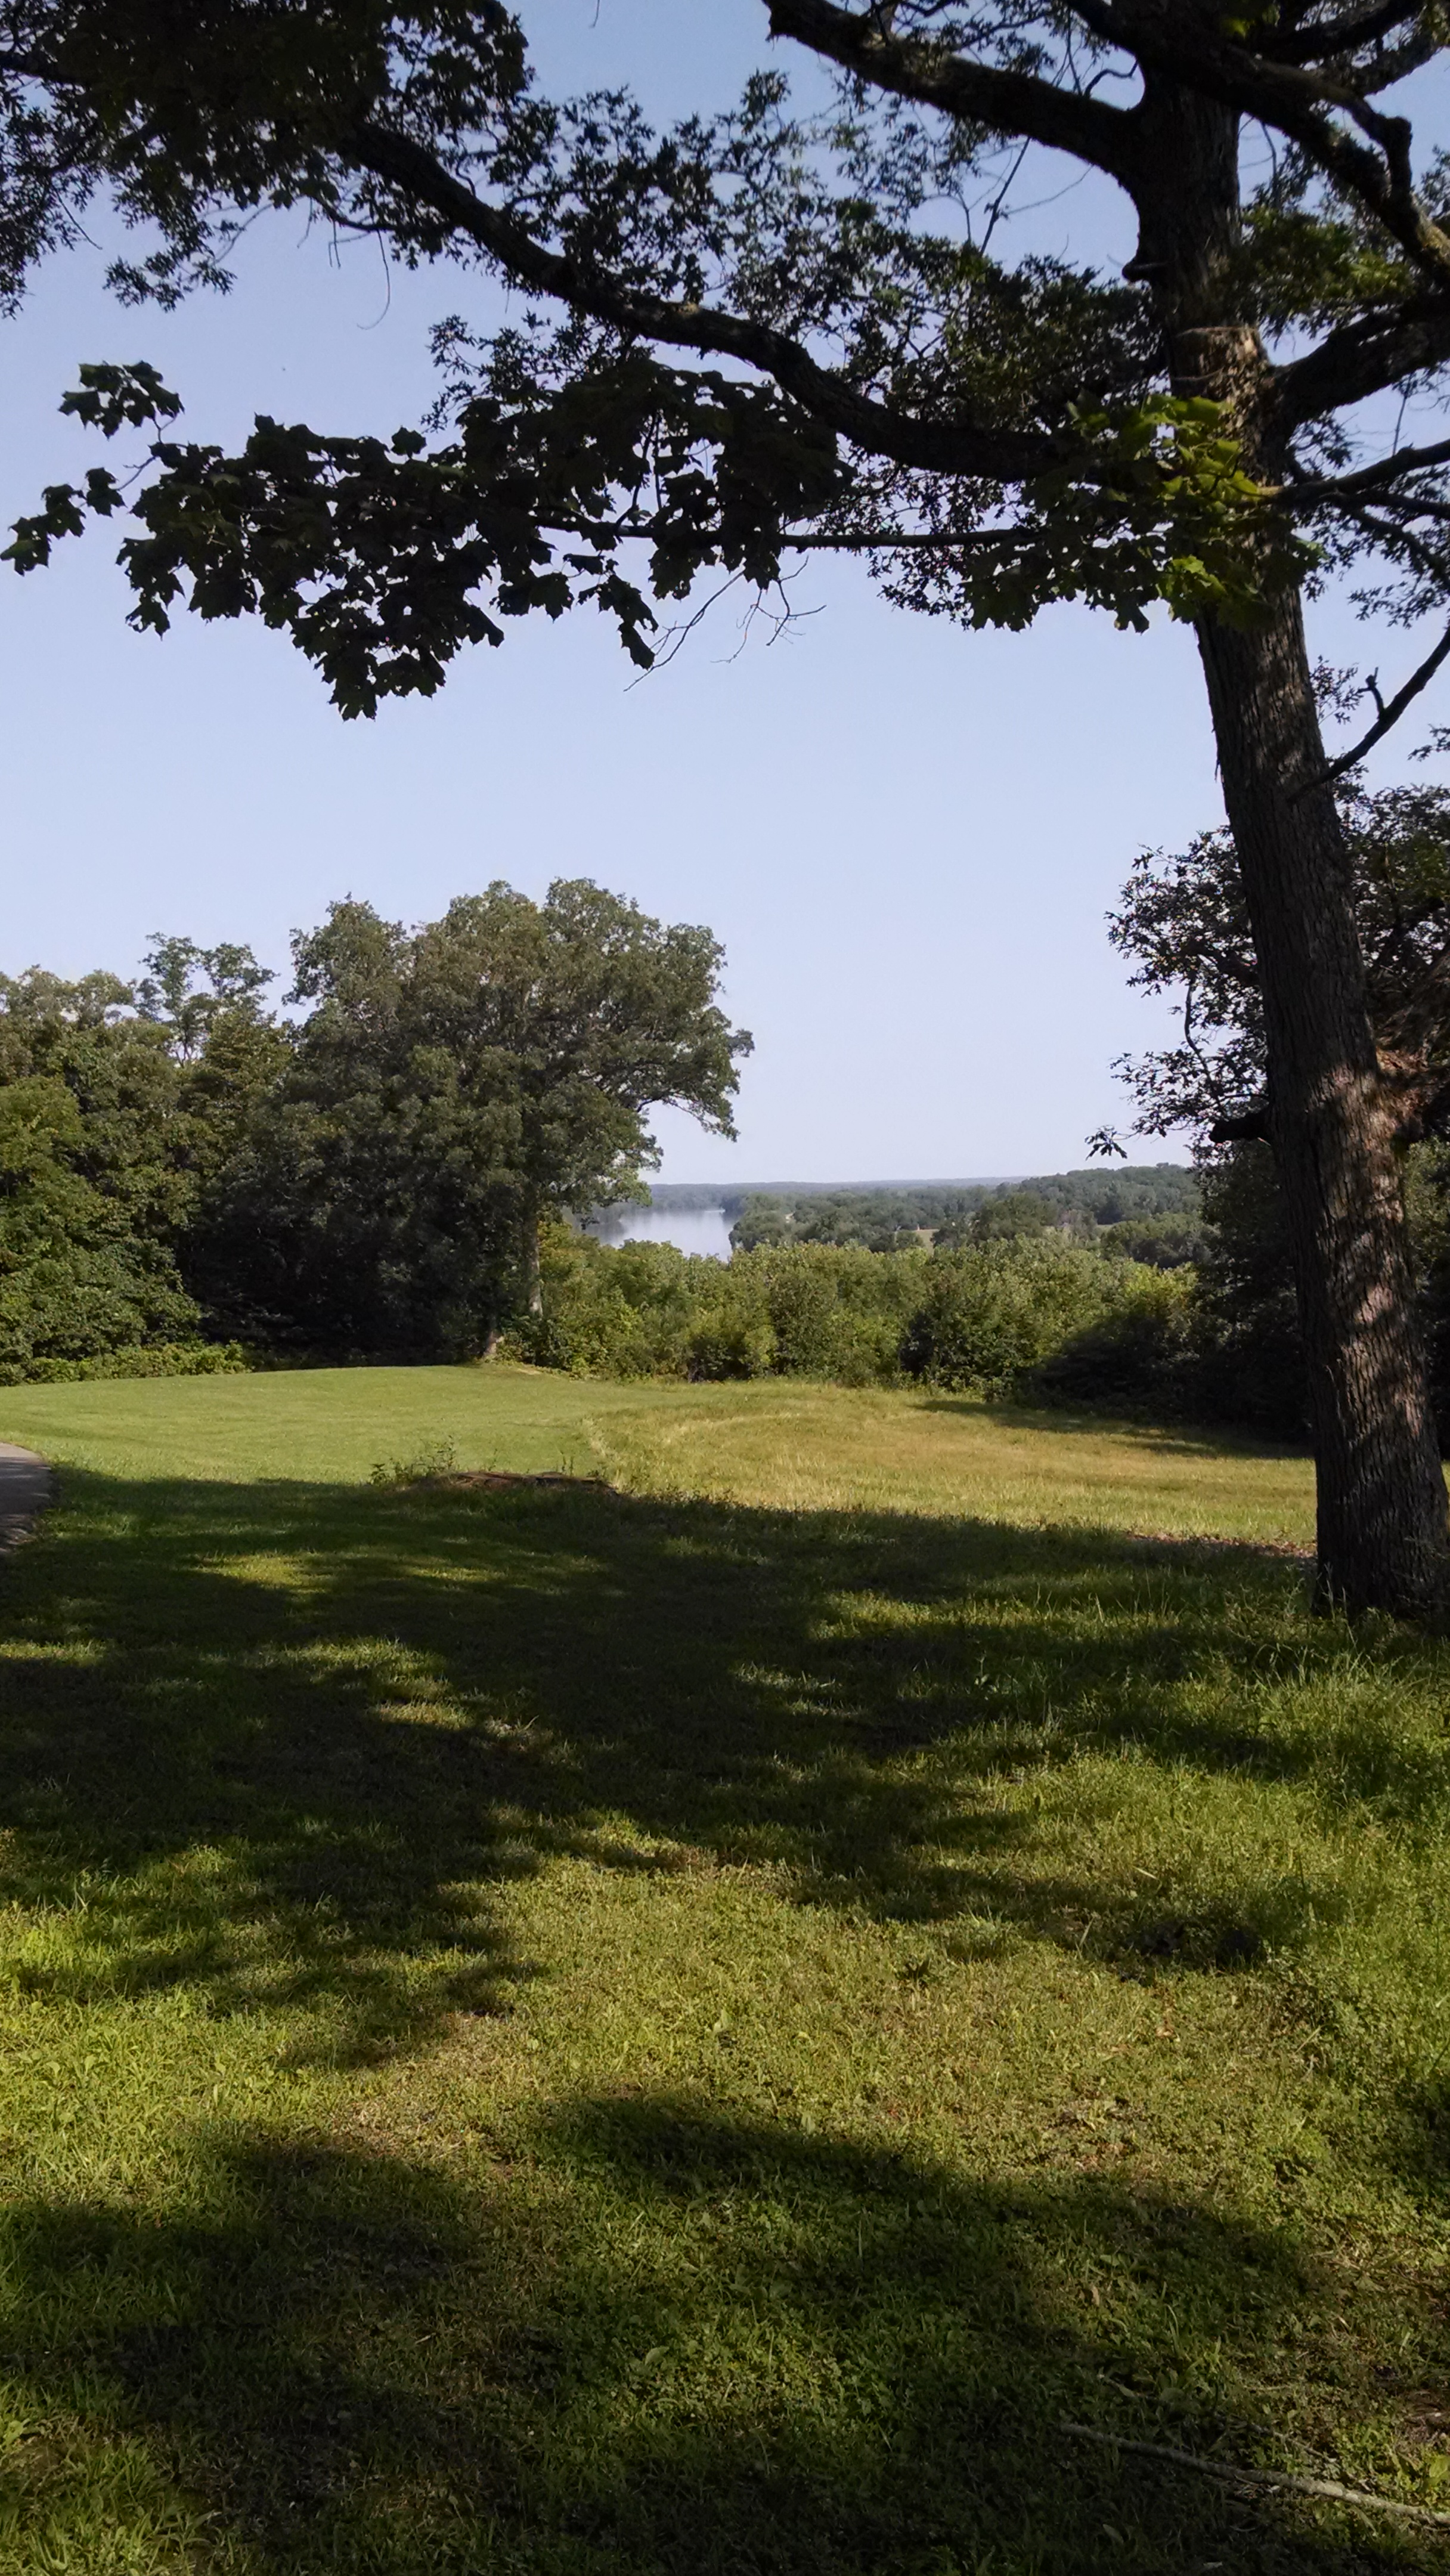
x,y
694,2026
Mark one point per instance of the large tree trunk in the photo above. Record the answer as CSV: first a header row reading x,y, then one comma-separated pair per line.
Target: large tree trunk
x,y
1383,1537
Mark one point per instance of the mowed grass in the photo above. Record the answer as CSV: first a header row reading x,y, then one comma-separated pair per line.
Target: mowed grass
x,y
698,2024
794,1447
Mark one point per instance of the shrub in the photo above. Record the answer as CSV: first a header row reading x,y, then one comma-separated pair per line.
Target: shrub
x,y
1145,1353
610,1312
440,1460
993,1314
161,1359
1035,1315
725,1343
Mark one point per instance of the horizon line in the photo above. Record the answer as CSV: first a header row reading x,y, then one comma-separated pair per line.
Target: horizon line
x,y
956,1181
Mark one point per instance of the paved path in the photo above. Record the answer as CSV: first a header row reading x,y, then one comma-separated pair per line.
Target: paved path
x,y
26,1486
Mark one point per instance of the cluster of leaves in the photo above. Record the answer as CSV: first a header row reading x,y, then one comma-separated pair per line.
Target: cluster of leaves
x,y
377,556
98,1152
1156,506
187,115
1183,923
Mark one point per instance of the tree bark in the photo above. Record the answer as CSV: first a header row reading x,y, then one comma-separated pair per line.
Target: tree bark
x,y
1384,1541
1383,1538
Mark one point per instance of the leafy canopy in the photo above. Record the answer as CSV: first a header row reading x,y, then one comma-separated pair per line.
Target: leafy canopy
x,y
450,1086
1183,922
760,332
94,1186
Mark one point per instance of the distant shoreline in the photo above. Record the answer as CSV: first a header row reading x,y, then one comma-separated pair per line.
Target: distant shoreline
x,y
684,1196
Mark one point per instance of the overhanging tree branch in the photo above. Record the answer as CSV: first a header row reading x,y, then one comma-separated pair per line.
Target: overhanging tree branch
x,y
1334,38
960,446
934,75
1365,481
1363,359
1299,103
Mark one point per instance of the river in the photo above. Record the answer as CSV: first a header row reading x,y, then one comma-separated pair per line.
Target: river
x,y
692,1229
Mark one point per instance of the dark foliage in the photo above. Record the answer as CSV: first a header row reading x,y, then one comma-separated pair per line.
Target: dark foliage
x,y
1184,924
94,1153
749,333
450,1087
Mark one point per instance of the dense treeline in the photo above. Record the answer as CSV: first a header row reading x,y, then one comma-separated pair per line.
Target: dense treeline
x,y
107,1133
1075,1315
182,1170
396,1166
991,1317
883,1220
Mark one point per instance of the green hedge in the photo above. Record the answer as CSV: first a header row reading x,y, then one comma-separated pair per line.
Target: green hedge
x,y
990,1319
161,1359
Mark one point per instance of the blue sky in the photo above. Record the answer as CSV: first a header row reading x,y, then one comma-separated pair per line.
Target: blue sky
x,y
906,836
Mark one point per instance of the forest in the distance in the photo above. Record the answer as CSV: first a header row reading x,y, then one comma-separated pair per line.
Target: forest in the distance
x,y
402,1163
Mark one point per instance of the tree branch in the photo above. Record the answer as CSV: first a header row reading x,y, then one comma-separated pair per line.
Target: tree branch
x,y
1340,36
1366,481
1250,1127
871,541
935,76
1265,2481
960,446
1397,64
1385,722
1377,173
1364,358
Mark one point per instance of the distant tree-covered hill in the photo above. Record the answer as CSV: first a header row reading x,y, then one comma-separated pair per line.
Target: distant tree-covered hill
x,y
881,1216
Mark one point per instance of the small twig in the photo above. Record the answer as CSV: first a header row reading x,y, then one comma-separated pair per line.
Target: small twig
x,y
1264,2479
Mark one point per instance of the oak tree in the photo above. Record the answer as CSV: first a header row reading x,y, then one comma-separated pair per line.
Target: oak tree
x,y
94,1183
761,334
450,1087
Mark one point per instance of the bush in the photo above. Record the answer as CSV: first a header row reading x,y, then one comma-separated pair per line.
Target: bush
x,y
993,1314
1145,1354
724,1344
611,1312
162,1359
646,1310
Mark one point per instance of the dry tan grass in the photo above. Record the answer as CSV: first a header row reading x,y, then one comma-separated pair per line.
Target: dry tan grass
x,y
825,1449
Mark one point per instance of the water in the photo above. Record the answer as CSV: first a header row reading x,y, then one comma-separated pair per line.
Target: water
x,y
704,1230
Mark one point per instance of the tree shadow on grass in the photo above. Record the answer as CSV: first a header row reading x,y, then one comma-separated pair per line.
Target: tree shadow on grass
x,y
287,1741
679,2342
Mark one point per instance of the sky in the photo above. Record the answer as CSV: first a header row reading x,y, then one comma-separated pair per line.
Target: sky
x,y
906,836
